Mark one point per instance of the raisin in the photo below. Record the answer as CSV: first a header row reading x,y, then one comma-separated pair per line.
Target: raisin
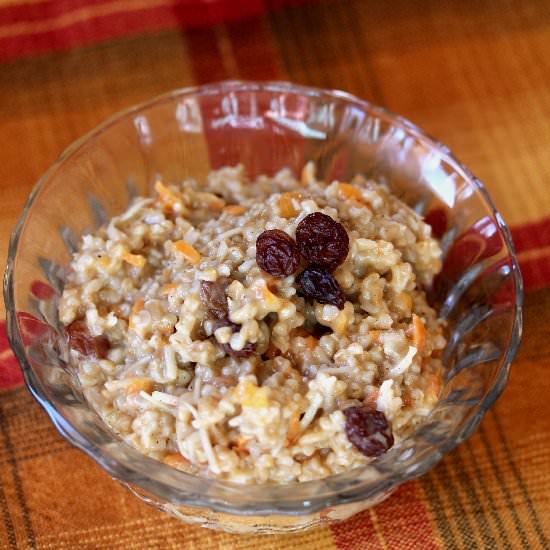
x,y
322,240
248,349
277,253
80,339
213,298
368,430
317,283
320,330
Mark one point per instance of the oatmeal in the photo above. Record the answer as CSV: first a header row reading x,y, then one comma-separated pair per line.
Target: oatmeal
x,y
259,332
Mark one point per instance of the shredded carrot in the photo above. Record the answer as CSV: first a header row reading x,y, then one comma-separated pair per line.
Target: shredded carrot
x,y
348,191
286,207
166,195
137,306
375,335
137,260
176,460
339,326
139,384
311,342
272,283
433,387
371,399
188,251
293,429
269,298
234,209
405,300
299,331
210,200
168,288
419,332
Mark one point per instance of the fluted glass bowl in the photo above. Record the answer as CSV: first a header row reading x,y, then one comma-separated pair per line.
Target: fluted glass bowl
x,y
266,126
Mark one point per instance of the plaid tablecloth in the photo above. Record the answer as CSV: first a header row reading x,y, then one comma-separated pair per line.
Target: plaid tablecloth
x,y
475,74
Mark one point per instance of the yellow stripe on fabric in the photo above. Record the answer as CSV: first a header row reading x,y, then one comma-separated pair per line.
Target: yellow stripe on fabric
x,y
472,499
486,501
377,528
438,540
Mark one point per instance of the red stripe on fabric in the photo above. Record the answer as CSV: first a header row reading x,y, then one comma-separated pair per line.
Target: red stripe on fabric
x,y
39,11
532,235
87,32
204,12
10,373
53,25
403,517
356,533
205,56
536,273
528,239
254,50
95,28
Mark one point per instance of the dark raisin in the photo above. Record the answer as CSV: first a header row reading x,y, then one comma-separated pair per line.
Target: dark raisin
x,y
277,253
368,430
80,339
320,330
248,349
317,283
213,298
322,240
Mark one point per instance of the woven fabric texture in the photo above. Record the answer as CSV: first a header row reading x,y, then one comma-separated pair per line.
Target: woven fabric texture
x,y
474,74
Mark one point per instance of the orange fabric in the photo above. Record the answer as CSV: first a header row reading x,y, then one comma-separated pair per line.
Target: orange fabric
x,y
473,74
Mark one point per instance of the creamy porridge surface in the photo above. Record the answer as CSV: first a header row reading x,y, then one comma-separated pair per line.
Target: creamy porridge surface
x,y
255,357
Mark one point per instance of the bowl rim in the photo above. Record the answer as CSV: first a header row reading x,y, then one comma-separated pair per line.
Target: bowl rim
x,y
272,505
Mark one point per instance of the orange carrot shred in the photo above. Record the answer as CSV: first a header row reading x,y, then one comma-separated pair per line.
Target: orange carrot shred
x,y
134,259
293,429
348,191
139,384
188,251
234,209
168,288
176,460
419,332
286,207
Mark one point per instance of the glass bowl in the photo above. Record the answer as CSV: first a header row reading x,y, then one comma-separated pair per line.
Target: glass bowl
x,y
265,126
